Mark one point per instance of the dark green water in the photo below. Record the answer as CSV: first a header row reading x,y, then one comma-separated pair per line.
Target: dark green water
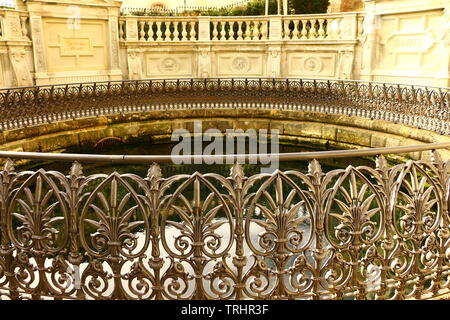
x,y
146,148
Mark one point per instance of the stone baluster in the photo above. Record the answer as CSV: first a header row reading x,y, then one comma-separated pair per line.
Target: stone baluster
x,y
223,32
193,32
287,31
321,31
313,30
304,31
239,31
158,31
142,30
176,31
330,29
168,32
248,32
23,21
257,25
121,30
215,32
296,32
184,32
231,31
264,29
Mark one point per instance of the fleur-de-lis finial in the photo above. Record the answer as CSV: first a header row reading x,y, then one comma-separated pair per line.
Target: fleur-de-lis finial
x,y
154,175
9,166
315,170
381,164
76,170
237,174
436,158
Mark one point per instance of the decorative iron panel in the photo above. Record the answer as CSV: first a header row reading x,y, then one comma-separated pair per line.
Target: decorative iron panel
x,y
359,232
427,108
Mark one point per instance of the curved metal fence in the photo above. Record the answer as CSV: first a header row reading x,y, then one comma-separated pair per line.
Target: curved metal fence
x,y
380,232
357,233
427,108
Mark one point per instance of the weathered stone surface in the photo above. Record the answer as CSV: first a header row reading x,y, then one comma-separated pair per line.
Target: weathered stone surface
x,y
252,124
354,136
277,125
88,138
329,132
378,141
301,127
392,142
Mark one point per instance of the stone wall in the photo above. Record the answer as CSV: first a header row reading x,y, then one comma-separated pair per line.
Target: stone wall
x,y
298,128
406,42
67,41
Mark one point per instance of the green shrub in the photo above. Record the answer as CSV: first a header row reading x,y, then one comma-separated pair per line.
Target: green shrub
x,y
308,6
251,8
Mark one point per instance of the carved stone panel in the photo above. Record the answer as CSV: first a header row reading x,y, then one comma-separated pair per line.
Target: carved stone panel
x,y
409,42
240,64
20,67
311,64
38,44
134,65
170,65
76,49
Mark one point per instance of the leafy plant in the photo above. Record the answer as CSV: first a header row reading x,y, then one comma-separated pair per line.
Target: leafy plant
x,y
308,6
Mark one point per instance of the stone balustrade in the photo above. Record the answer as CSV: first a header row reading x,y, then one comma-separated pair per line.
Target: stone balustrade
x,y
152,29
42,43
323,26
14,25
166,29
239,28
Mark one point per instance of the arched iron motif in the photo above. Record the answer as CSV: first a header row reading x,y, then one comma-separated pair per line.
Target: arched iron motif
x,y
360,232
421,107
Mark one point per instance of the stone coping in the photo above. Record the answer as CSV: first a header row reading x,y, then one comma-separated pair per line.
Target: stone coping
x,y
296,127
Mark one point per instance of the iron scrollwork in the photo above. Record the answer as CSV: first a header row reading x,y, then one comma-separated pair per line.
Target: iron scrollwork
x,y
359,232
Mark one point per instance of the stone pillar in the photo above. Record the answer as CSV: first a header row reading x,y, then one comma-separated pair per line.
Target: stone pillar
x,y
276,28
132,29
40,63
346,60
368,41
349,27
204,30
135,68
113,23
75,41
18,47
274,62
12,26
20,67
204,62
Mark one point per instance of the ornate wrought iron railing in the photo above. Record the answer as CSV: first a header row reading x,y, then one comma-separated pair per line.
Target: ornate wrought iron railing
x,y
359,232
422,107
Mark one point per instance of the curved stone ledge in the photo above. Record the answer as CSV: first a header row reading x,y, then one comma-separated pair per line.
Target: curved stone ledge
x,y
296,127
